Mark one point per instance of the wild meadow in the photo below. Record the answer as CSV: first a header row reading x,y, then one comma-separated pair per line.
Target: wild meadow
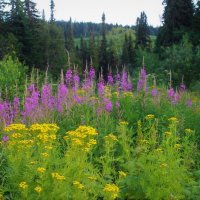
x,y
87,139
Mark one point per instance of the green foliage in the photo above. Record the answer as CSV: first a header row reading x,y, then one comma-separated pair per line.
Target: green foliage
x,y
180,60
12,77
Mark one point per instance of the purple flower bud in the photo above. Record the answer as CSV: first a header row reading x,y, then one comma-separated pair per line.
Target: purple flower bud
x,y
5,138
92,73
76,80
110,79
108,106
100,86
68,76
171,93
117,104
182,87
189,103
154,92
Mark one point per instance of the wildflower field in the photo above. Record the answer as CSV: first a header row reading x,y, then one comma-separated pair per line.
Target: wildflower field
x,y
115,139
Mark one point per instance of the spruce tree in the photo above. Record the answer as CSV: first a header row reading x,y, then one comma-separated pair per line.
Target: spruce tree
x,y
93,51
103,60
177,20
142,31
52,7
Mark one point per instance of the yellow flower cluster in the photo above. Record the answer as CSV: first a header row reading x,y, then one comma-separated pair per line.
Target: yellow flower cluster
x,y
123,123
127,94
45,154
78,185
41,169
92,178
177,146
23,185
15,127
112,189
82,137
149,117
16,135
173,119
57,176
110,138
122,174
44,128
38,189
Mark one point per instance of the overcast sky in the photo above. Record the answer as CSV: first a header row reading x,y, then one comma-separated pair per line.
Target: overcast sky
x,y
122,12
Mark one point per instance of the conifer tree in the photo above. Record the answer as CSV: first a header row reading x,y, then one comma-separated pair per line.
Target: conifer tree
x,y
52,8
93,51
103,60
142,31
177,20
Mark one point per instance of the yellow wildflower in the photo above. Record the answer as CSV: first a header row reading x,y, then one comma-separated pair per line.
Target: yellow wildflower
x,y
15,127
167,133
48,147
45,154
112,189
173,119
110,137
177,146
38,189
23,185
78,185
159,150
123,123
16,135
188,130
122,174
41,169
77,142
57,176
33,162
150,116
92,178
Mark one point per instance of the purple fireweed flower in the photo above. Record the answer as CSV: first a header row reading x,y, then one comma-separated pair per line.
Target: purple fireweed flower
x,y
176,98
68,76
154,92
92,73
46,97
5,138
118,77
62,97
87,84
100,87
142,82
31,88
182,87
171,93
76,79
108,106
31,104
16,107
189,103
78,99
117,104
110,79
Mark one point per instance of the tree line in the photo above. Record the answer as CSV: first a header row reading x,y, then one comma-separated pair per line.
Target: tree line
x,y
52,45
